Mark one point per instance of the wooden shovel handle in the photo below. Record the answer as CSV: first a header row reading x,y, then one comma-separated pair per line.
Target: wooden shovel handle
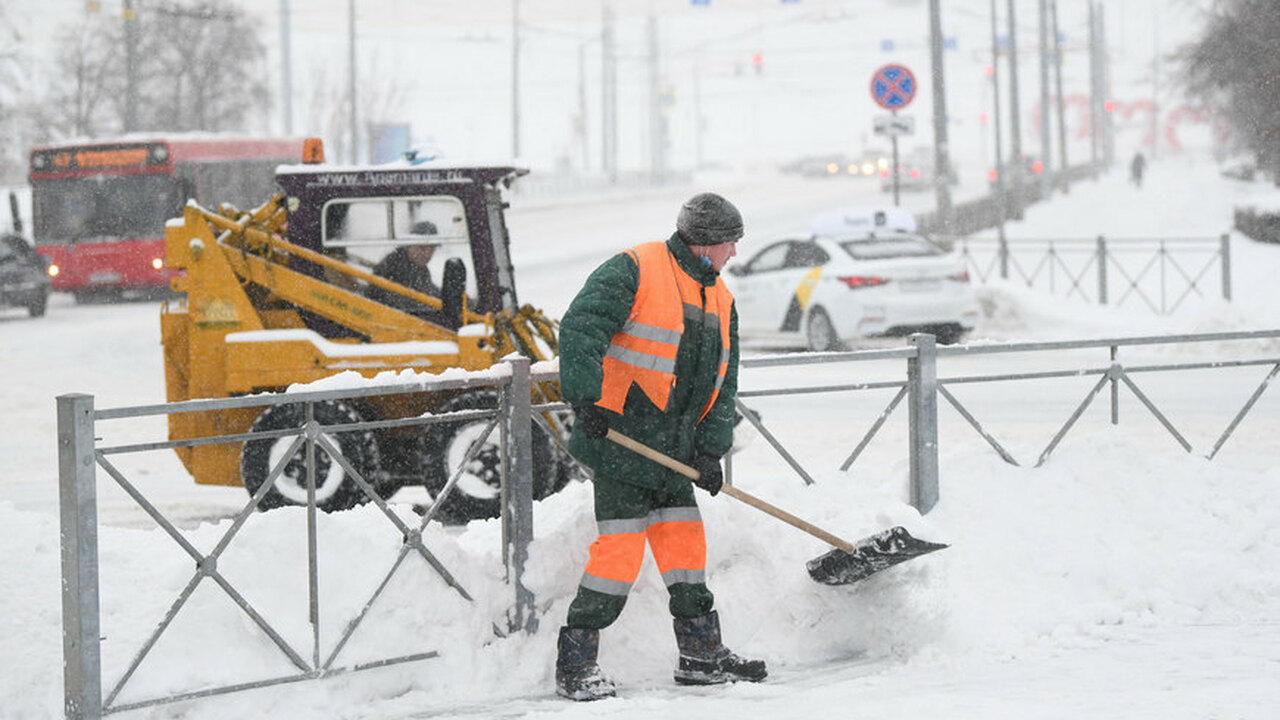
x,y
731,491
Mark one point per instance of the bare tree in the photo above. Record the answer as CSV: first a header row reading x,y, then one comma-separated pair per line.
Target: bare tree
x,y
11,73
381,94
199,66
87,77
1234,67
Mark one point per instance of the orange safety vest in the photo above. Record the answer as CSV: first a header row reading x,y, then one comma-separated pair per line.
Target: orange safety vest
x,y
643,352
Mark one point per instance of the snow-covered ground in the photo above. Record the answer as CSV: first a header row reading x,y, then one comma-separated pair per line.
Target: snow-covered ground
x,y
1123,579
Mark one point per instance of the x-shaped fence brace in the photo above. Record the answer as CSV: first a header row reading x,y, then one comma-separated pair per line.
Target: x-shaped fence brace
x,y
1110,375
311,435
1050,259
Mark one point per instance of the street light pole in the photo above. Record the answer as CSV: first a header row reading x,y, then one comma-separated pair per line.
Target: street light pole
x,y
1000,194
354,154
515,78
1046,147
286,72
941,149
131,67
1015,124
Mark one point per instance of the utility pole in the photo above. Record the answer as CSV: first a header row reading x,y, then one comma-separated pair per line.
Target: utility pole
x,y
657,139
1155,88
286,72
515,78
1015,124
941,149
1046,146
1063,164
1095,92
1000,186
1104,80
354,155
698,122
609,101
582,107
131,67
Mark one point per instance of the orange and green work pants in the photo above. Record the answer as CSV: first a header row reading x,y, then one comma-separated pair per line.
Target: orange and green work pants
x,y
628,516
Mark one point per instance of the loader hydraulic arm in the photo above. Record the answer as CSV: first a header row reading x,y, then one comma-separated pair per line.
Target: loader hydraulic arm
x,y
253,247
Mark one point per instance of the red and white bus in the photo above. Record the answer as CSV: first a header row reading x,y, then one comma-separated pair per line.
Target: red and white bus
x,y
99,207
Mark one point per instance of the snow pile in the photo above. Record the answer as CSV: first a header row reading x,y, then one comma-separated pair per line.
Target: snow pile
x,y
1105,535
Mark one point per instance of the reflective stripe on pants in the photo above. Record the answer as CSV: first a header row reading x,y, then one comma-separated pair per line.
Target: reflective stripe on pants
x,y
675,535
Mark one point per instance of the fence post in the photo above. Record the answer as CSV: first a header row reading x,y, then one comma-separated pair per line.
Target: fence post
x,y
1102,270
1225,252
78,508
517,505
922,417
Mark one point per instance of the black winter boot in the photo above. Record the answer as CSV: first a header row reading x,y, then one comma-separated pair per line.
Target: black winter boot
x,y
704,660
577,675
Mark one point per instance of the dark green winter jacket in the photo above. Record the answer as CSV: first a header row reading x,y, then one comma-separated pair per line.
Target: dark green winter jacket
x,y
596,314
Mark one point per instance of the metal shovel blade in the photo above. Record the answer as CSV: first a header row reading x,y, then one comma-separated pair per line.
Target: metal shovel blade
x,y
870,555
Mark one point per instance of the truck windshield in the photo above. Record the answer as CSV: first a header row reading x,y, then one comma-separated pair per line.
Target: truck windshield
x,y
104,207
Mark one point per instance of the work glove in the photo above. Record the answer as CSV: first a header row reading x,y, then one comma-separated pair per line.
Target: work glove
x,y
710,476
592,421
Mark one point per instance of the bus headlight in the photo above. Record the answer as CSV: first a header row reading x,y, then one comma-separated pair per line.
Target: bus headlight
x,y
53,271
157,263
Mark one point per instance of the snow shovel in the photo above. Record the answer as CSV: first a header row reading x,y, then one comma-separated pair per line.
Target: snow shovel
x,y
848,563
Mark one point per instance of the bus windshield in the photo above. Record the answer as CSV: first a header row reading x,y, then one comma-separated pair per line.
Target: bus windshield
x,y
106,207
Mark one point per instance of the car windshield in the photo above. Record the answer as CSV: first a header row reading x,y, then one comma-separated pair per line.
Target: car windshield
x,y
124,206
890,247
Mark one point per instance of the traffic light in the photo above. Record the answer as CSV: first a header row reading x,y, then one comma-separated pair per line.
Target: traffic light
x,y
757,61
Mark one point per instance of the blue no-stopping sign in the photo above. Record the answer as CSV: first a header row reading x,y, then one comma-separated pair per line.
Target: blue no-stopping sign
x,y
893,87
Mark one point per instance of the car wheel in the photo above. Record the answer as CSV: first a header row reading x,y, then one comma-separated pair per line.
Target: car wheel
x,y
37,307
334,489
820,333
949,335
477,494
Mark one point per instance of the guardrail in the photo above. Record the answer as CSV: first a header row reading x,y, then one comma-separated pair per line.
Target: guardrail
x,y
1162,273
921,386
80,454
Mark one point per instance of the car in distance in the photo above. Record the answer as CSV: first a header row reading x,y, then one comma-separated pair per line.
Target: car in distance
x,y
24,278
825,292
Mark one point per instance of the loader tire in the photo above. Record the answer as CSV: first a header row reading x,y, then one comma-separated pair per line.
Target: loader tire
x,y
476,496
334,489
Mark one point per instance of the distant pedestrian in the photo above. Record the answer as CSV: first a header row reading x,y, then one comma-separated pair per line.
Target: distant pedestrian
x,y
1136,169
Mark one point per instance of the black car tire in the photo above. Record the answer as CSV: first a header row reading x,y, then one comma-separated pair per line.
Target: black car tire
x,y
950,335
820,333
38,306
476,496
334,490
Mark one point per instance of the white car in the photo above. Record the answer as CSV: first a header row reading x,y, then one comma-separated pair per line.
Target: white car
x,y
825,291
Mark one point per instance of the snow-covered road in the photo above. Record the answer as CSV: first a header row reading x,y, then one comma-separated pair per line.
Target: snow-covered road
x,y
1124,579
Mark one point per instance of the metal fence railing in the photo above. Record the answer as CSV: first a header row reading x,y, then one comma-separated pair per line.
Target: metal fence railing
x,y
80,454
1158,273
925,388
917,382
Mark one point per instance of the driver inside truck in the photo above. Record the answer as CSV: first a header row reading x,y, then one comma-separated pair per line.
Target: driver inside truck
x,y
408,266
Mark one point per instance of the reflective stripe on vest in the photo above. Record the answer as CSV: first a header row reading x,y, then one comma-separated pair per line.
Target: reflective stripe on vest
x,y
643,352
